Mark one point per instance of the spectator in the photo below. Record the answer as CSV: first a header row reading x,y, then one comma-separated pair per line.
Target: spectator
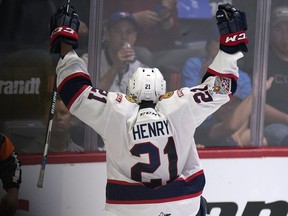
x,y
276,112
158,31
221,125
60,140
10,174
118,60
157,20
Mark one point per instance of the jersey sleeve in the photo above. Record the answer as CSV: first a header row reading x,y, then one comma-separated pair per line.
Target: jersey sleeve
x,y
225,65
217,88
91,105
195,104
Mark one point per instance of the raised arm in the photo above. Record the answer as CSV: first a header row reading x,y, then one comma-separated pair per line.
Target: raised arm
x,y
232,27
220,80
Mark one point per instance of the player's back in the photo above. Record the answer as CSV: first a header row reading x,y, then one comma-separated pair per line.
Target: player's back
x,y
147,160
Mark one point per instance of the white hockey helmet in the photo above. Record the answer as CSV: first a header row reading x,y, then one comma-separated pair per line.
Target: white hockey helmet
x,y
146,84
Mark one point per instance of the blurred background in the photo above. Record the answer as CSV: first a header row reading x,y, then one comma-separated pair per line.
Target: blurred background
x,y
180,37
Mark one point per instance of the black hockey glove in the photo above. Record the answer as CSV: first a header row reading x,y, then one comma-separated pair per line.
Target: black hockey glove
x,y
64,27
232,27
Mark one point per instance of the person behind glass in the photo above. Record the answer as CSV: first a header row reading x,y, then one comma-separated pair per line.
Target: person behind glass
x,y
276,110
230,124
153,167
60,140
118,58
156,19
219,128
10,174
158,26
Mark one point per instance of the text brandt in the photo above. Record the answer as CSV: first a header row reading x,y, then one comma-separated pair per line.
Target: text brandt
x,y
10,87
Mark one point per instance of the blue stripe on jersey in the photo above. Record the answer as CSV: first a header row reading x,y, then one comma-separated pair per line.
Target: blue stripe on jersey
x,y
70,87
129,193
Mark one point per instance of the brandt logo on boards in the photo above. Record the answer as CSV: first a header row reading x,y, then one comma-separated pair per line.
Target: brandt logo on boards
x,y
27,87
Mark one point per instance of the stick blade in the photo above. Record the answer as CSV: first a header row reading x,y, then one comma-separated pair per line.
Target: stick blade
x,y
41,178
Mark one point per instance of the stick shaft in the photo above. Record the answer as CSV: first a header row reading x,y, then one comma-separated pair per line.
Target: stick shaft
x,y
49,126
48,135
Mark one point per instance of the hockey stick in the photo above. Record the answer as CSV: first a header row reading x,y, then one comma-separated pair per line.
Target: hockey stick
x,y
48,135
49,127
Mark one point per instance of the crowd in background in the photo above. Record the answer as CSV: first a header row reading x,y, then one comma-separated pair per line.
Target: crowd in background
x,y
175,36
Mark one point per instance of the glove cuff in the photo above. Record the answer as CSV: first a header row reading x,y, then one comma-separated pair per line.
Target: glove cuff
x,y
234,42
56,45
63,31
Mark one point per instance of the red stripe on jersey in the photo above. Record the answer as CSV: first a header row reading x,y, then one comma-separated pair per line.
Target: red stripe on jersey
x,y
155,200
215,73
113,181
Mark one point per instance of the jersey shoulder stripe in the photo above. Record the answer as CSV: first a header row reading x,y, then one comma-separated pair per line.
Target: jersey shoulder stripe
x,y
72,86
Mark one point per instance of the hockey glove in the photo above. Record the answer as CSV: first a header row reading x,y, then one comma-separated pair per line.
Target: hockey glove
x,y
64,26
232,27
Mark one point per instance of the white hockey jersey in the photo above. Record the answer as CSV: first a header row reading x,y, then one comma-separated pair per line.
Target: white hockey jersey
x,y
153,166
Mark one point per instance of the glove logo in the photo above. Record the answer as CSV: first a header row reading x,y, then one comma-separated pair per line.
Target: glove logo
x,y
63,31
234,38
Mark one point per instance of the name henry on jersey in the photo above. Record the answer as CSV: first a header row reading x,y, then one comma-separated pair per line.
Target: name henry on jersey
x,y
152,129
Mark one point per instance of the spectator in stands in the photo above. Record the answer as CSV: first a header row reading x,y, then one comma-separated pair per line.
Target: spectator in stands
x,y
276,112
118,58
219,128
10,174
60,140
158,30
157,20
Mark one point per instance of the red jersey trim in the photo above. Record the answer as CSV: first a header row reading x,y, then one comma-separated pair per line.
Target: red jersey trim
x,y
215,73
156,200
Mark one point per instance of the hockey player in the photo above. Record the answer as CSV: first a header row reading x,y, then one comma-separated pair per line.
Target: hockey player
x,y
153,166
10,174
